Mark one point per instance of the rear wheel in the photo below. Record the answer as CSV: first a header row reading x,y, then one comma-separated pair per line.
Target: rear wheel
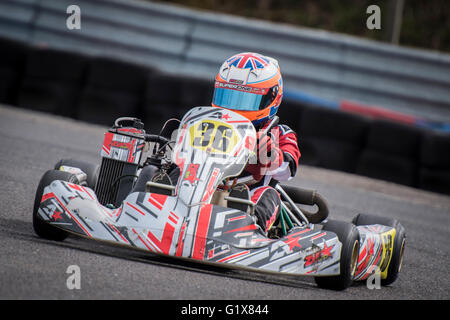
x,y
396,262
91,170
42,228
349,237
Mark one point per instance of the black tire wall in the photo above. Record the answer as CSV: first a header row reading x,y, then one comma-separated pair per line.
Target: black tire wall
x,y
100,89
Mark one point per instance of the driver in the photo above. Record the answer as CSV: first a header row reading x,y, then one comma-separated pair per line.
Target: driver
x,y
251,85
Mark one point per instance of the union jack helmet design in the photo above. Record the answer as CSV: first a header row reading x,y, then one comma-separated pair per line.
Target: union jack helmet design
x,y
251,85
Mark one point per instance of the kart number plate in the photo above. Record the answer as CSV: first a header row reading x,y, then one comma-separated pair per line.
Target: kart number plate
x,y
213,136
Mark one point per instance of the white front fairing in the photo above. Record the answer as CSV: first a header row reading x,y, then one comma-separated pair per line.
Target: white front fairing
x,y
212,144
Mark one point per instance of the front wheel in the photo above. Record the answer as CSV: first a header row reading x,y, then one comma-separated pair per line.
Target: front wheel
x,y
348,235
395,265
42,228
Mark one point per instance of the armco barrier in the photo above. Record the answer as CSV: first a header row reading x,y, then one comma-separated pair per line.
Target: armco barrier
x,y
322,64
328,138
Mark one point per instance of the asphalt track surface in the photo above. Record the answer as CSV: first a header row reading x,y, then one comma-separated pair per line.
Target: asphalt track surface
x,y
34,268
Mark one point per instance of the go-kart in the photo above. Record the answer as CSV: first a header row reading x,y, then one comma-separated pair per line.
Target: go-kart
x,y
197,217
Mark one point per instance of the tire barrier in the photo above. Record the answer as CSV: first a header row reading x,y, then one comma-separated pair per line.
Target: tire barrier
x,y
391,153
197,91
52,81
13,55
434,174
333,139
101,89
113,89
387,167
162,100
291,113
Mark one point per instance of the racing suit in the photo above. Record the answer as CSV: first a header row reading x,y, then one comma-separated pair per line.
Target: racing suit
x,y
281,155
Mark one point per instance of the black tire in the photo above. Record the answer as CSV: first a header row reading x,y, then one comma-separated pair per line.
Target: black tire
x,y
42,228
395,265
91,170
349,237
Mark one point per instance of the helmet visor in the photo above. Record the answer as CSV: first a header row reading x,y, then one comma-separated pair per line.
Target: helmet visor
x,y
238,97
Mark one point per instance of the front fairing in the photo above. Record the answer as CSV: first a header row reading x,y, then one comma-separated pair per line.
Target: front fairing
x,y
212,144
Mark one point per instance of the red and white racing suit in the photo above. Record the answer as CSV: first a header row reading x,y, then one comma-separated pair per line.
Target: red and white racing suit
x,y
283,154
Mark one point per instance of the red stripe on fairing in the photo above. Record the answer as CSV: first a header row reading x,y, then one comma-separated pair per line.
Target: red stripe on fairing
x,y
180,244
87,193
249,227
379,255
172,219
145,244
106,150
237,121
156,204
362,254
70,214
364,258
166,241
237,218
48,196
160,198
118,232
117,211
233,256
75,187
129,204
209,189
131,150
362,265
174,215
300,232
107,142
238,150
201,233
318,236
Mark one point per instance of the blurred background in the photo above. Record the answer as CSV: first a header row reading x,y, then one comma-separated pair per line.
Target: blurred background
x,y
421,23
373,102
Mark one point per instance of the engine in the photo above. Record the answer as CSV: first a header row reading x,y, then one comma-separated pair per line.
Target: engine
x,y
121,155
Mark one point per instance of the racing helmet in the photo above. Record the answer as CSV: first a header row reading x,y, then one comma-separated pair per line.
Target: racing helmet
x,y
251,85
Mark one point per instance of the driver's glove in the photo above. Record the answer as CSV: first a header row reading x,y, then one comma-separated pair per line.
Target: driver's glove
x,y
269,156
